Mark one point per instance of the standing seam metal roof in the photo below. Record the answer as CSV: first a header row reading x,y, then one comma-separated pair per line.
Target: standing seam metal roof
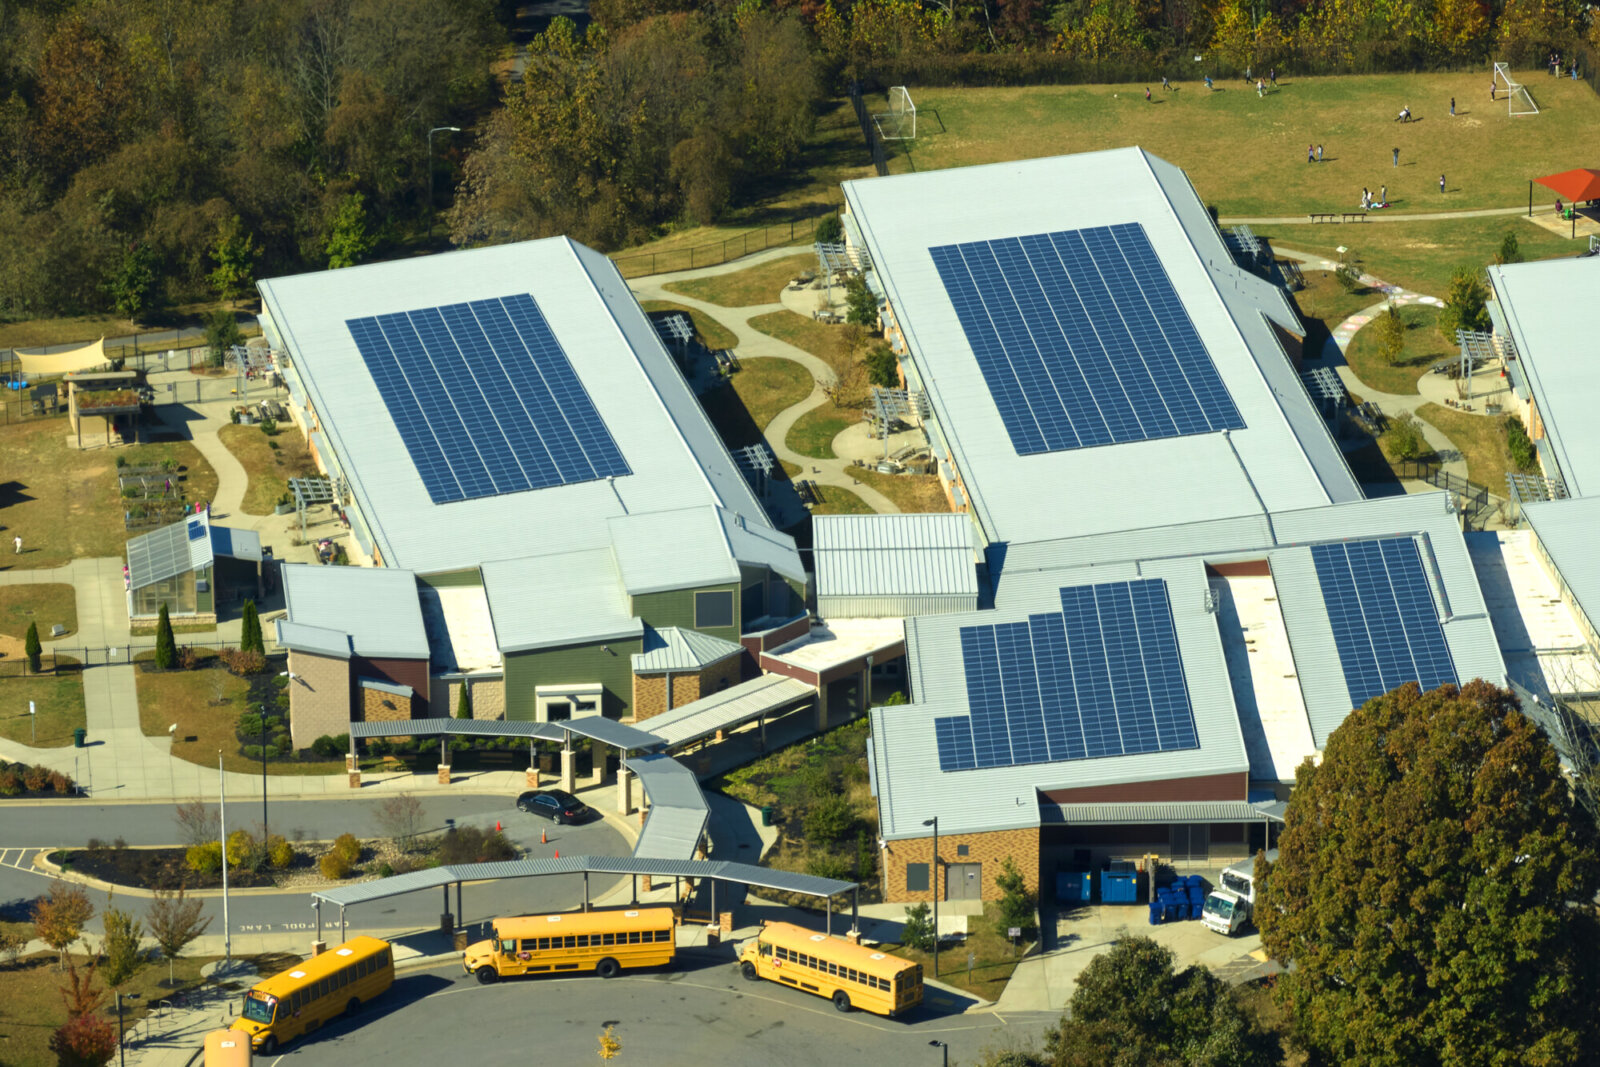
x,y
1566,530
673,648
378,607
894,555
734,705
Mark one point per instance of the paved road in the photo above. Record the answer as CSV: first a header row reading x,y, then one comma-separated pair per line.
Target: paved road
x,y
700,1012
258,913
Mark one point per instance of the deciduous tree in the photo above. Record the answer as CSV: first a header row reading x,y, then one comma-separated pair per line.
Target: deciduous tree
x,y
198,824
1465,304
59,916
122,953
399,817
1391,335
175,922
235,257
1404,437
84,1041
348,239
1018,904
1434,889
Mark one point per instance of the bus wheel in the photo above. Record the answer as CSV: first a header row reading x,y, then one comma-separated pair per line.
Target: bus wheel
x,y
748,969
487,976
607,968
269,1045
353,1007
841,1000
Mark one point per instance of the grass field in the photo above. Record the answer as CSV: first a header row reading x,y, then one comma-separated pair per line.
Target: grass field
x,y
1421,256
268,468
813,433
1424,347
831,344
58,703
911,493
712,332
65,503
760,284
1481,439
768,386
43,604
1486,155
837,501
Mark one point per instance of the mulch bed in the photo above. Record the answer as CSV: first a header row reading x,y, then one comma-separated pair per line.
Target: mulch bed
x,y
151,868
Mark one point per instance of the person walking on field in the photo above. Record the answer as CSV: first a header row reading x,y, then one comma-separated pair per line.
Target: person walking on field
x,y
1165,87
1452,107
1147,94
1396,152
1441,183
1261,89
1311,153
1319,153
1491,90
17,544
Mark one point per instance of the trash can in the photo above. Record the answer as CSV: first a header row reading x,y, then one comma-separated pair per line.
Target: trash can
x,y
766,814
78,736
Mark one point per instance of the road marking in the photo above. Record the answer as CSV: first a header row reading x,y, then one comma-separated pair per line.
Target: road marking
x,y
18,859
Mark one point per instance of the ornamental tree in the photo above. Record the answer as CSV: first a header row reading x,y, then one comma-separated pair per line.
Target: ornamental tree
x,y
1434,889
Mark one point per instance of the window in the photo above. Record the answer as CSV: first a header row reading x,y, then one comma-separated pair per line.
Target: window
x,y
851,974
713,609
569,941
916,878
633,937
608,939
833,969
583,940
663,935
362,968
322,989
961,850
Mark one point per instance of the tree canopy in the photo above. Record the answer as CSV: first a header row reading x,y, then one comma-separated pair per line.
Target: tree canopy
x,y
1434,889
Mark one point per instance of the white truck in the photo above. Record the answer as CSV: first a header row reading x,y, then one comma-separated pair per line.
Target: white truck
x,y
1228,907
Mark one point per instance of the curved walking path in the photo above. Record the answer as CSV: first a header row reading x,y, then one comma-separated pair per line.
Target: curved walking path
x,y
753,344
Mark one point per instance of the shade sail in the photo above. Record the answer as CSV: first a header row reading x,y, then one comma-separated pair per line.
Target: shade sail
x,y
1580,184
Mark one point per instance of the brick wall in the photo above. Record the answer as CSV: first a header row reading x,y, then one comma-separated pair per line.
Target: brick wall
x,y
649,695
1022,846
378,706
650,690
319,697
488,698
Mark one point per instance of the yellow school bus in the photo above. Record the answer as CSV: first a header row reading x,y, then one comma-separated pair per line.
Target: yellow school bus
x,y
572,941
227,1048
301,999
846,973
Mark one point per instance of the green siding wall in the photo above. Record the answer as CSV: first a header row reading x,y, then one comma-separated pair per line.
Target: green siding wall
x,y
452,579
676,608
571,664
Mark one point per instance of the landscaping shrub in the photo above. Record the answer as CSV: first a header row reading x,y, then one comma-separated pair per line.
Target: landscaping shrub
x,y
245,851
831,819
10,783
1348,277
249,724
827,865
204,859
240,662
166,644
1522,450
60,784
348,846
829,231
329,747
334,866
31,647
188,658
279,852
385,870
468,844
918,929
36,778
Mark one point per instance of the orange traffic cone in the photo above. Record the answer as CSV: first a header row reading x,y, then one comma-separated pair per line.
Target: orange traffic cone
x,y
497,826
544,838
558,853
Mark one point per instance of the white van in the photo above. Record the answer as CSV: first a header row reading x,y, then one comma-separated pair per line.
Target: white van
x,y
1229,906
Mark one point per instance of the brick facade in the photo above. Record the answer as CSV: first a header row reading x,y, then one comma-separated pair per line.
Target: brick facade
x,y
650,690
378,706
989,849
319,697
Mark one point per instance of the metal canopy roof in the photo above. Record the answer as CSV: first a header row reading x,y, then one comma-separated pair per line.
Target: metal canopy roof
x,y
735,705
1177,812
678,809
616,734
766,878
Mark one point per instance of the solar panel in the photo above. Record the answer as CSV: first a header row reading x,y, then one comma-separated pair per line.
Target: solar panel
x,y
1082,339
485,399
1101,677
1385,625
197,529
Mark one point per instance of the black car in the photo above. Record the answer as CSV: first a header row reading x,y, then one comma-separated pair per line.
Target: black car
x,y
557,805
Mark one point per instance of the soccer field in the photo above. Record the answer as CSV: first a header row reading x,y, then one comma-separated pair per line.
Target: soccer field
x,y
1247,155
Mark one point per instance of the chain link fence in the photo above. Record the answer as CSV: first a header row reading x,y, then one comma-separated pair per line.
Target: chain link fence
x,y
795,231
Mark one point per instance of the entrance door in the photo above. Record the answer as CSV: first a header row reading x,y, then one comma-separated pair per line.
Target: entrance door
x,y
964,881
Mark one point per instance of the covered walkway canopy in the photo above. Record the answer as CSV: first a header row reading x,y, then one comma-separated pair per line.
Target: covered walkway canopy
x,y
595,727
678,809
1575,185
745,702
715,870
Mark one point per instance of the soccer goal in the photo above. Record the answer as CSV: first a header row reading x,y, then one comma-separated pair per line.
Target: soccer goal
x,y
899,123
1518,100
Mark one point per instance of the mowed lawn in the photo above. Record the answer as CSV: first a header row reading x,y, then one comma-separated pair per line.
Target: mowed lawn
x,y
45,604
1424,346
269,468
1247,155
911,493
64,503
760,284
712,333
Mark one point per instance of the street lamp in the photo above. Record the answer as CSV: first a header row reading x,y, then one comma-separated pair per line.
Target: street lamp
x,y
942,1045
121,1058
265,836
436,129
934,885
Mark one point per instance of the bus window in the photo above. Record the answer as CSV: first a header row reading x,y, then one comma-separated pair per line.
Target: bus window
x,y
633,937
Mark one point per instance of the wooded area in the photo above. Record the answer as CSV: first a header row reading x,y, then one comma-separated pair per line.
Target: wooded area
x,y
171,151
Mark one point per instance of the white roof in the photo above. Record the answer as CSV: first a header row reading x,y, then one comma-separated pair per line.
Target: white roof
x,y
1283,459
377,607
1551,311
676,458
1567,531
894,555
839,641
460,627
566,598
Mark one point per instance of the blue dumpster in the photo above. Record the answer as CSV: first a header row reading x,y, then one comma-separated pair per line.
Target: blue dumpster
x,y
1119,883
1074,887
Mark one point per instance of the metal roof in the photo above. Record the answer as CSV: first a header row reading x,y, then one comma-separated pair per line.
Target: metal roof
x,y
376,606
434,877
1284,458
678,809
567,598
315,639
734,705
894,555
617,734
237,544
664,435
386,687
671,550
1549,307
673,648
170,551
460,628
1197,811
1566,531
754,543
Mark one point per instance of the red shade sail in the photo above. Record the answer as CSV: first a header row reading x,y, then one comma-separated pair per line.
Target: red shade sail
x,y
1574,184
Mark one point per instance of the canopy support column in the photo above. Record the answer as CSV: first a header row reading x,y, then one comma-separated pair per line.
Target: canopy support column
x,y
855,911
343,929
585,890
316,906
634,878
828,929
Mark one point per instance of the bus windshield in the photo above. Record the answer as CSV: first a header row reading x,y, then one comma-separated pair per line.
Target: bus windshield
x,y
258,1009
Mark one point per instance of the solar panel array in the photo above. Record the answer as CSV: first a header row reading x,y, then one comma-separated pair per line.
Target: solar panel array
x,y
1101,677
1082,339
485,399
1384,621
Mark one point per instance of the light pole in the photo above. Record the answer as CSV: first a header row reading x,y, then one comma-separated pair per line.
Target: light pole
x,y
934,885
222,828
121,1057
265,836
942,1045
436,129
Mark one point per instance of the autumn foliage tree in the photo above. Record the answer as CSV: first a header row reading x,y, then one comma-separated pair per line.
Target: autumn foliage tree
x,y
174,923
1433,895
85,1039
59,916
